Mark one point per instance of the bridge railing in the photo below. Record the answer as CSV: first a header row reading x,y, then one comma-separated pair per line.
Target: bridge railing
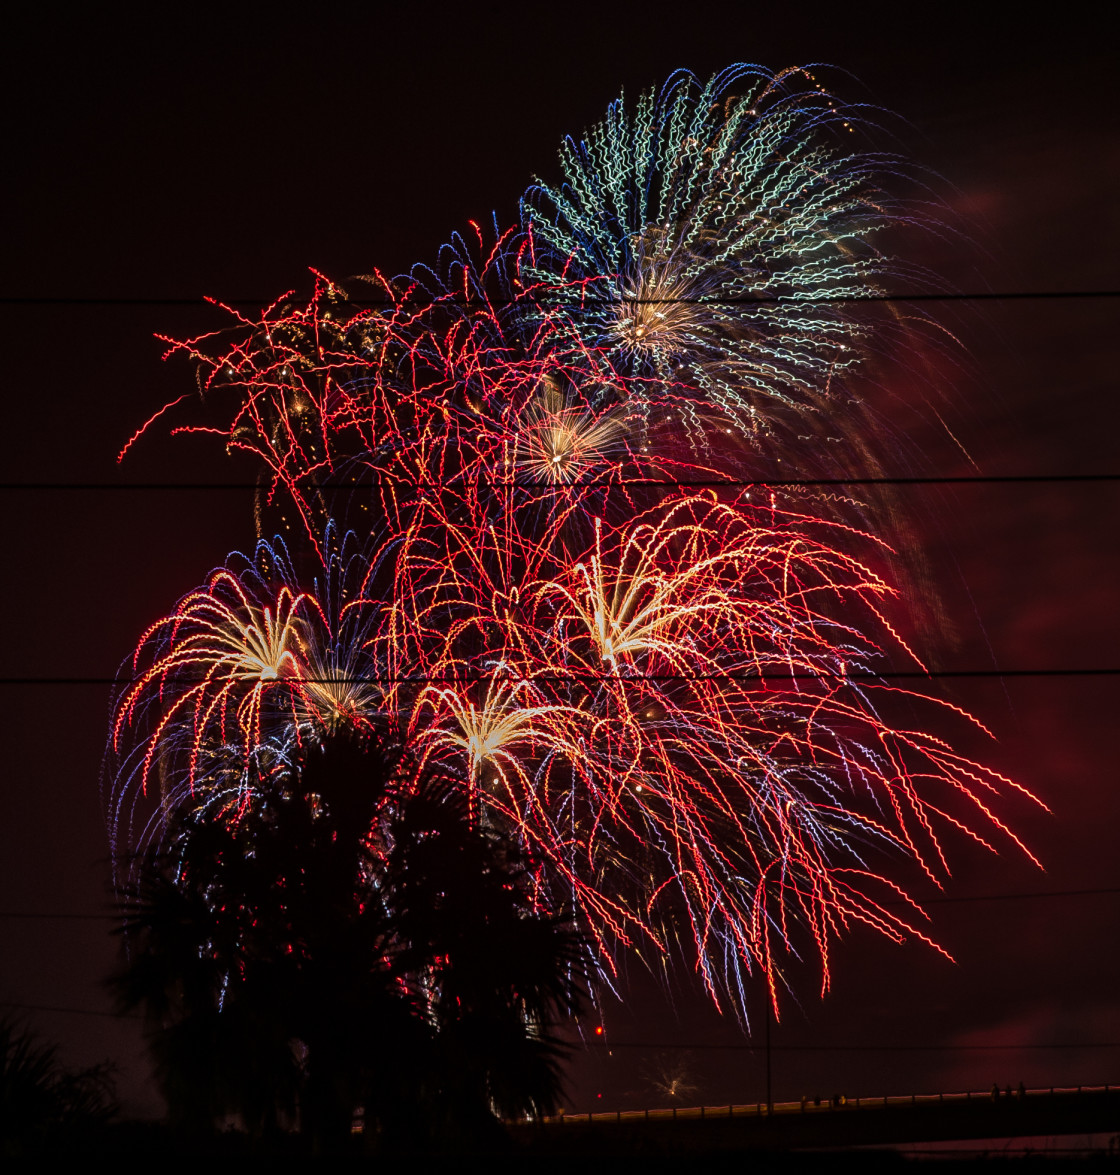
x,y
816,1105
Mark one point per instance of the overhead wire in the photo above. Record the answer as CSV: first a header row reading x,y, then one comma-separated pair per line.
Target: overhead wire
x,y
588,299
998,897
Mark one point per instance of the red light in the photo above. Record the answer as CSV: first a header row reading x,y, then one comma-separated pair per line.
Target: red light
x,y
598,1030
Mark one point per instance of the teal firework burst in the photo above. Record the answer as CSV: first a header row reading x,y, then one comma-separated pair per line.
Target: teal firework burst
x,y
705,242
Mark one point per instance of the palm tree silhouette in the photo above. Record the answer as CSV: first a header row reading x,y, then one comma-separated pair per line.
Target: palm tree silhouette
x,y
45,1106
348,941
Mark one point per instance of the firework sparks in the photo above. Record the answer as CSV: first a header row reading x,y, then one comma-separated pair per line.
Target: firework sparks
x,y
667,696
703,240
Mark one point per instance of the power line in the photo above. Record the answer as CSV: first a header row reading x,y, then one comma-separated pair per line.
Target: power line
x,y
1004,897
735,1046
637,679
543,487
998,897
51,916
71,1011
568,300
700,1046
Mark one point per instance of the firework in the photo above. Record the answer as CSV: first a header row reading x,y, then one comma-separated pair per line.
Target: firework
x,y
226,690
667,695
703,243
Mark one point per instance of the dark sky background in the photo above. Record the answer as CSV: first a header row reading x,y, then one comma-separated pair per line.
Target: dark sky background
x,y
170,156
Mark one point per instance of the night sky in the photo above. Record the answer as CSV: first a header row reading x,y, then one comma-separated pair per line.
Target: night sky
x,y
157,156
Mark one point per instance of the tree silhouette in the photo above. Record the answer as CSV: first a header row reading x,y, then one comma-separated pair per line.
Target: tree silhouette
x,y
43,1104
347,940
493,977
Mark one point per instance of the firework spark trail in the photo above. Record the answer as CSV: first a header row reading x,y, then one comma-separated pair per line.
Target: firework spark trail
x,y
662,693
